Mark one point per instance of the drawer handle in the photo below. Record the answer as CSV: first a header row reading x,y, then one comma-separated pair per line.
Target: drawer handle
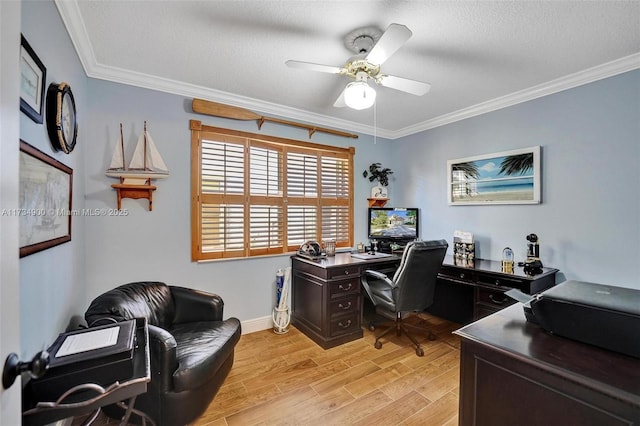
x,y
341,287
348,306
347,325
462,275
498,282
346,272
496,301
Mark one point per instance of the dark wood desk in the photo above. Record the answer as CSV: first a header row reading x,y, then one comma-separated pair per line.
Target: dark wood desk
x,y
326,299
467,293
513,372
327,302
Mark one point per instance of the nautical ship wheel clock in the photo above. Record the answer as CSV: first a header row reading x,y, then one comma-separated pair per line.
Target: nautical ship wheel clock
x,y
62,124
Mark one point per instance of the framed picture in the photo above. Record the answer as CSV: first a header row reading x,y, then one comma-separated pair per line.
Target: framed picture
x,y
510,177
33,76
45,201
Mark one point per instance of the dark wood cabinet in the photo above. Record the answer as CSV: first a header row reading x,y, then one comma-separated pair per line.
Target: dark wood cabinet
x,y
468,293
327,299
513,372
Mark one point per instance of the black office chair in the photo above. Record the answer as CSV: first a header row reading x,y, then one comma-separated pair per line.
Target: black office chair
x,y
410,290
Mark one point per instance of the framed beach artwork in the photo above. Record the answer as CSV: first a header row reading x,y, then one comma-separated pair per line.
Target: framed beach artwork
x,y
510,177
45,201
32,78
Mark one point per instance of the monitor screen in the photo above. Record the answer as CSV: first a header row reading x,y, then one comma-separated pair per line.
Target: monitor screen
x,y
393,223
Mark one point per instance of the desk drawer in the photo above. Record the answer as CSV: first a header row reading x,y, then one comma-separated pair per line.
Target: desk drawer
x,y
344,305
344,287
490,301
343,272
499,280
345,324
494,298
457,274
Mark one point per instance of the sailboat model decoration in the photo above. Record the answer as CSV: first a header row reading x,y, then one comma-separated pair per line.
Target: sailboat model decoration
x,y
146,164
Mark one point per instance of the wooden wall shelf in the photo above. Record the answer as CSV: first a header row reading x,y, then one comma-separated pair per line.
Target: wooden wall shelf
x,y
134,191
377,202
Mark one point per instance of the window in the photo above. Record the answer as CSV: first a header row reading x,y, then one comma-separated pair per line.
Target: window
x,y
257,195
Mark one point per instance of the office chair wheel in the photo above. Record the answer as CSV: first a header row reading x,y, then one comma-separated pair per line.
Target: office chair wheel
x,y
377,345
372,327
419,351
431,336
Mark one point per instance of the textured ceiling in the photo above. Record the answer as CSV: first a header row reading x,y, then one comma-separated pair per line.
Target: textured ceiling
x,y
478,56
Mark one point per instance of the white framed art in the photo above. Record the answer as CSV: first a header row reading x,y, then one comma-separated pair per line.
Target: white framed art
x,y
509,177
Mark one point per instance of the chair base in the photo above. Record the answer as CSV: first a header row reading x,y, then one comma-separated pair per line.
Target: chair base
x,y
401,328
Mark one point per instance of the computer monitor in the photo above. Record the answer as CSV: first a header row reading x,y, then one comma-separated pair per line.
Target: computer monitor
x,y
396,224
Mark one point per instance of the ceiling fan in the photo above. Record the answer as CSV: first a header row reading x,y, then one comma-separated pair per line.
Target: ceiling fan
x,y
372,48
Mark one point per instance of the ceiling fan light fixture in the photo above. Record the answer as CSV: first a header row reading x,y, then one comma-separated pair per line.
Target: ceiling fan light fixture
x,y
359,95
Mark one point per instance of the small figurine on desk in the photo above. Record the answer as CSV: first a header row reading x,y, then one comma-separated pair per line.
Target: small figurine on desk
x,y
532,265
464,249
507,260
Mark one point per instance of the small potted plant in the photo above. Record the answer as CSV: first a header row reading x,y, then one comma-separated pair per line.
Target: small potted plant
x,y
377,172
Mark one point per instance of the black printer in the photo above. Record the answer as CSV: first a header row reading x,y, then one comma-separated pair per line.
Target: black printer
x,y
601,315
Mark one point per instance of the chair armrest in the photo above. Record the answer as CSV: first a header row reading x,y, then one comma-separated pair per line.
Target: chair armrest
x,y
378,276
195,305
162,354
375,275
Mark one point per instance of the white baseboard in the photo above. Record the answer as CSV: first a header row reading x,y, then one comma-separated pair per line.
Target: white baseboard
x,y
257,324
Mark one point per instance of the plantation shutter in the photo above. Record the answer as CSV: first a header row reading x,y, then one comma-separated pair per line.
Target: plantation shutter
x,y
258,195
222,186
266,232
302,196
336,192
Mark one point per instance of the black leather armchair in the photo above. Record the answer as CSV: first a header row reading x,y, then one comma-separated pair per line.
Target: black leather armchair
x,y
410,290
191,346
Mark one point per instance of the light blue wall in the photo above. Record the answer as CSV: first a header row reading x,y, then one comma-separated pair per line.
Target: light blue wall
x,y
106,251
588,222
156,245
10,412
589,219
52,282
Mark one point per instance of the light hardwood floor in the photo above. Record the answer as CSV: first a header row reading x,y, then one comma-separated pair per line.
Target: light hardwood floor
x,y
289,380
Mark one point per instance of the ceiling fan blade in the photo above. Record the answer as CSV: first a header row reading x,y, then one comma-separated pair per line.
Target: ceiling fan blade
x,y
414,87
340,103
314,67
390,41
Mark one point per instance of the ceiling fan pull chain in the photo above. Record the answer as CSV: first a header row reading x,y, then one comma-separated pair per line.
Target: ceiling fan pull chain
x,y
375,123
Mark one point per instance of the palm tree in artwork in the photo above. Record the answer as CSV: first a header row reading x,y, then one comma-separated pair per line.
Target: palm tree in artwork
x,y
469,170
516,164
462,173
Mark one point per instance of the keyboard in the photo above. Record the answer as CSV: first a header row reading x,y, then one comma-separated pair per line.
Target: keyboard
x,y
367,256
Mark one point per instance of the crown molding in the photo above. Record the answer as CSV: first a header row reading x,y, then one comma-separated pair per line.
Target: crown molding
x,y
132,78
599,72
73,22
72,19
